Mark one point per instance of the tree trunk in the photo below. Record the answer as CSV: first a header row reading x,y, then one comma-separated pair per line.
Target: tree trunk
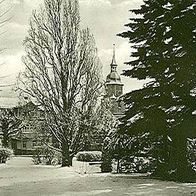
x,y
66,157
176,166
161,171
118,166
181,169
5,140
162,160
106,165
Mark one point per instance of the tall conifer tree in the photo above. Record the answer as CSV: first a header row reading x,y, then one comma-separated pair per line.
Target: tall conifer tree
x,y
163,36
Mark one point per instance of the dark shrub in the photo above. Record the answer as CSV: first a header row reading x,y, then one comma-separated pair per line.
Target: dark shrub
x,y
47,156
192,152
106,165
5,153
137,165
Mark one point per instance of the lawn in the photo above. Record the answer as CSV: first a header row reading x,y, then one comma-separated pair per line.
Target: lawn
x,y
21,178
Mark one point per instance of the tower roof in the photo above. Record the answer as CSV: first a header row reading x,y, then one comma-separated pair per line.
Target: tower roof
x,y
114,56
113,77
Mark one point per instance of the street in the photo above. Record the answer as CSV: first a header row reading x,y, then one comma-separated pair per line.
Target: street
x,y
19,177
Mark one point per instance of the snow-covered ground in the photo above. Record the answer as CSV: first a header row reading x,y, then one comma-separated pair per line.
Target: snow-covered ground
x,y
21,169
84,167
19,177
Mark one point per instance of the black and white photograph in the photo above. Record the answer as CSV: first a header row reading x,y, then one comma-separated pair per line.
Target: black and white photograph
x,y
97,98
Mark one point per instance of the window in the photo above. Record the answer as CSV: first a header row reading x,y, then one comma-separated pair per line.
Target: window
x,y
34,143
24,144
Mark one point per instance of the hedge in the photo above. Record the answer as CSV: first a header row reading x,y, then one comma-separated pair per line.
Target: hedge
x,y
5,153
89,156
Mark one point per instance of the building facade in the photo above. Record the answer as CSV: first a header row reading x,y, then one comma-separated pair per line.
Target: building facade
x,y
27,139
22,136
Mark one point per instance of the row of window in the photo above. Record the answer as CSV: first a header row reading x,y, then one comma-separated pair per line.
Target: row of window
x,y
24,144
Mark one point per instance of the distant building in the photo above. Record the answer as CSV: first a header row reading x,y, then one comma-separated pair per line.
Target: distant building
x,y
113,85
24,138
114,88
27,139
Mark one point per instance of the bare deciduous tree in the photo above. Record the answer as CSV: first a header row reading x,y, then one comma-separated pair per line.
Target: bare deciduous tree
x,y
8,119
62,73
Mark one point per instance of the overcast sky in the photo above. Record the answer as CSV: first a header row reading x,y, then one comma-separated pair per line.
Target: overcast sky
x,y
105,18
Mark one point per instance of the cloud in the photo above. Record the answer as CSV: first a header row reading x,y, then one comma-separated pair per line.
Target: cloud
x,y
16,2
11,64
95,3
10,67
105,20
8,102
134,2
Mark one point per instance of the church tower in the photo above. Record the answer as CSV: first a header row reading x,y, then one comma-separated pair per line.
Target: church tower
x,y
113,85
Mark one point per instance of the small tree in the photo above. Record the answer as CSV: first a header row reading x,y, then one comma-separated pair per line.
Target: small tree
x,y
105,123
12,121
9,124
62,73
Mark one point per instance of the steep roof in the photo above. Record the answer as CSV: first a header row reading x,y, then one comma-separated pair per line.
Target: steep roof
x,y
113,77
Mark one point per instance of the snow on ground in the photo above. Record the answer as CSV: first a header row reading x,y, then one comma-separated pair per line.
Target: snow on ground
x,y
19,177
84,167
22,169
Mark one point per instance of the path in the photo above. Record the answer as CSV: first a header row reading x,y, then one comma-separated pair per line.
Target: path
x,y
19,177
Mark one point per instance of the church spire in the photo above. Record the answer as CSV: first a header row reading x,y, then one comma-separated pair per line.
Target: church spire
x,y
114,86
114,55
